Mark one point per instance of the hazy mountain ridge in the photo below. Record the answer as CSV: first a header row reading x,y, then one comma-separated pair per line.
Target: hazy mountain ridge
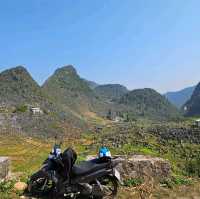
x,y
179,98
192,106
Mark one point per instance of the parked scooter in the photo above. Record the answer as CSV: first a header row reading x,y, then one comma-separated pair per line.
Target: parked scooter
x,y
60,177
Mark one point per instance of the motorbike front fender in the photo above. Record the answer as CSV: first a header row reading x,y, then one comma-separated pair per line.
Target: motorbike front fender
x,y
117,176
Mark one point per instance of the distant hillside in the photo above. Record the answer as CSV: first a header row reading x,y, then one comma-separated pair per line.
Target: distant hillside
x,y
111,91
91,84
149,103
192,106
179,98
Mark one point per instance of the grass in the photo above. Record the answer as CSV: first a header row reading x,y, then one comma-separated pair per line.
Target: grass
x,y
133,182
26,154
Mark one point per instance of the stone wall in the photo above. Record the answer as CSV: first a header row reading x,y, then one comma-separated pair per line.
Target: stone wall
x,y
180,134
4,167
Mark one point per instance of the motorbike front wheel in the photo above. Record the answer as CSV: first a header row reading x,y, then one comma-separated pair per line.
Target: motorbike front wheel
x,y
39,184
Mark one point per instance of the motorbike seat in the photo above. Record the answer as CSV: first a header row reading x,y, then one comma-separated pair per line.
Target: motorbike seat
x,y
87,167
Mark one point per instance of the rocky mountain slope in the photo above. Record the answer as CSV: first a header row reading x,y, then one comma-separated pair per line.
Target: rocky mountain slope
x,y
179,98
17,87
67,88
111,92
91,84
192,106
148,103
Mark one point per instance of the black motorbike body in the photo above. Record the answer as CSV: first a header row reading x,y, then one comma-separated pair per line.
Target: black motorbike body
x,y
61,177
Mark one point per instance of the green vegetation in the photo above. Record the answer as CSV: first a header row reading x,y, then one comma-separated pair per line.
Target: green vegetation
x,y
192,166
133,182
111,92
21,109
175,181
148,103
6,189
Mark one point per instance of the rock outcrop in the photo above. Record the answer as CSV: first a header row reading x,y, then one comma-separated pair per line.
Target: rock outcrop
x,y
4,168
141,166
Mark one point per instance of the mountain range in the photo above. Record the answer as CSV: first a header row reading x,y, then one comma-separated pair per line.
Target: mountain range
x,y
69,102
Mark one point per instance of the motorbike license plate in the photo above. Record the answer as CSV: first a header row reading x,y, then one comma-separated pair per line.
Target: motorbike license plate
x,y
117,174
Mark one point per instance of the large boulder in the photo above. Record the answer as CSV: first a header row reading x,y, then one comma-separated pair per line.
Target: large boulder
x,y
4,167
142,166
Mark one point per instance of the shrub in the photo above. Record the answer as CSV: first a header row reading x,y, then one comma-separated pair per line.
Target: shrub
x,y
175,180
6,187
181,181
133,182
192,166
21,109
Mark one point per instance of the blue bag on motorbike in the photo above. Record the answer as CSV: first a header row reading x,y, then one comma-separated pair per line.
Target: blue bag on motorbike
x,y
104,154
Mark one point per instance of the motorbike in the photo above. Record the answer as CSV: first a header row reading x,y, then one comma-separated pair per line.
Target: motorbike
x,y
94,179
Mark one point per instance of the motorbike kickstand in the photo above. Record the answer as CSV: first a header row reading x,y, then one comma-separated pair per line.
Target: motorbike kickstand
x,y
99,184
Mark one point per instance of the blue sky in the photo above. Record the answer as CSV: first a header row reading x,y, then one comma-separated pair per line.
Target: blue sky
x,y
138,43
